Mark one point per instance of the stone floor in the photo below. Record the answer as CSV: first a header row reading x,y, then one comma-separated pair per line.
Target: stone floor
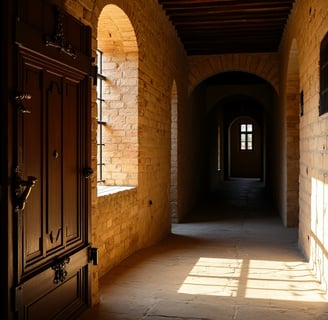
x,y
231,259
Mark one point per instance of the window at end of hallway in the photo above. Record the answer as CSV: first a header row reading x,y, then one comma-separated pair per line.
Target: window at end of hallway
x,y
323,107
246,137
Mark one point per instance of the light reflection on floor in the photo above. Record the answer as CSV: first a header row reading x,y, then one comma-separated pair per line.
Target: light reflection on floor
x,y
259,279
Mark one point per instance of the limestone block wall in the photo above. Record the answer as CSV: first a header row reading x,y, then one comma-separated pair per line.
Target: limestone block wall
x,y
306,28
124,222
264,65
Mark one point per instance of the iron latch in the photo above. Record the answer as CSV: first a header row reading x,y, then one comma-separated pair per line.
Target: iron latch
x,y
93,256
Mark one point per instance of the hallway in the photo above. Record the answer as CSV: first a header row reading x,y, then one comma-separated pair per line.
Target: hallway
x,y
231,259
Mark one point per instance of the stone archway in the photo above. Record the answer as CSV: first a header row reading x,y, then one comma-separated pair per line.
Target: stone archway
x,y
265,66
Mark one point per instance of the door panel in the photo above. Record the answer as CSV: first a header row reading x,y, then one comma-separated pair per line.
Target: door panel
x,y
63,301
70,151
54,160
53,133
31,138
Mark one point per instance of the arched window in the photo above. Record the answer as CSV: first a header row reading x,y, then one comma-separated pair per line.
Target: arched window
x,y
117,88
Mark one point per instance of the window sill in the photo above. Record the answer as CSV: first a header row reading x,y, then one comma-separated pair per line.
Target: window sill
x,y
106,190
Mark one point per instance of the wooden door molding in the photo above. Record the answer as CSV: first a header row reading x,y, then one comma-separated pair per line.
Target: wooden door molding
x,y
44,27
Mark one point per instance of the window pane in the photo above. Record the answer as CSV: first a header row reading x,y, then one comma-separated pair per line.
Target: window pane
x,y
249,137
243,127
249,145
249,127
243,141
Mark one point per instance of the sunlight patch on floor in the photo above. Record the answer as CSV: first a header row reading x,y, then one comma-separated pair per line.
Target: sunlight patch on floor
x,y
257,279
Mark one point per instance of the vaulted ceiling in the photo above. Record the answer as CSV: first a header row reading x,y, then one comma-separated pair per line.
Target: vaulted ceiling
x,y
228,26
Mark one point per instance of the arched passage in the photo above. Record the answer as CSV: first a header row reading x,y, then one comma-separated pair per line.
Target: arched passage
x,y
264,66
234,99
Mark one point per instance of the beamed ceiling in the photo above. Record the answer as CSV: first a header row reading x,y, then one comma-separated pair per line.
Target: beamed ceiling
x,y
228,26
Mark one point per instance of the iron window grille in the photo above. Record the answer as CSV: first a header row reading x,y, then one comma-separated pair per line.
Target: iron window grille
x,y
100,121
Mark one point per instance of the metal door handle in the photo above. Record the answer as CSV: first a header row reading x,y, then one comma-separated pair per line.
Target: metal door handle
x,y
28,185
19,98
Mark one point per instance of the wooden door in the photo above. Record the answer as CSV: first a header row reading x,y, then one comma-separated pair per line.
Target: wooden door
x,y
52,188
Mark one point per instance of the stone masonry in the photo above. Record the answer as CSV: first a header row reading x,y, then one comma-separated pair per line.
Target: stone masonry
x,y
125,222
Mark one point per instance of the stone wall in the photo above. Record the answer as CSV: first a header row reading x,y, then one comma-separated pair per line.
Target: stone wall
x,y
300,52
124,222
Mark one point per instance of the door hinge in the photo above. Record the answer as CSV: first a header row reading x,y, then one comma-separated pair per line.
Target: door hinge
x,y
93,256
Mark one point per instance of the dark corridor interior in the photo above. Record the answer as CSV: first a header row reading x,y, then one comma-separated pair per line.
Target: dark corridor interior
x,y
235,199
237,175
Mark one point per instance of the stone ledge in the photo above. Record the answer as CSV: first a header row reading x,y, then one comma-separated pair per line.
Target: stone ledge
x,y
106,190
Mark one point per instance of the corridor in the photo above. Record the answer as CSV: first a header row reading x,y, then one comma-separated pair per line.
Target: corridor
x,y
230,259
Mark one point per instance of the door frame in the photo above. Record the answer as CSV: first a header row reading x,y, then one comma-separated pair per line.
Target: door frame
x,y
7,115
256,125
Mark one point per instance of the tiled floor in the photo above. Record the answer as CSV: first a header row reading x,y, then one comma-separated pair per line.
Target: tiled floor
x,y
231,260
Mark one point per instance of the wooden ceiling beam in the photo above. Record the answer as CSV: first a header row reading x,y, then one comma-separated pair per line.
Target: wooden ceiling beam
x,y
236,23
230,22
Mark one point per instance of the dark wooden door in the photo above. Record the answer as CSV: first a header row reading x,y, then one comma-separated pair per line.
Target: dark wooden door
x,y
245,149
52,192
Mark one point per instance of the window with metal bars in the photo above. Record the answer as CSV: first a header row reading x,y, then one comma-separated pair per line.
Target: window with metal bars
x,y
323,107
100,121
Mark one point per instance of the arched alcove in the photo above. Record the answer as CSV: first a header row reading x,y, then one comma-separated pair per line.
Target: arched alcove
x,y
117,99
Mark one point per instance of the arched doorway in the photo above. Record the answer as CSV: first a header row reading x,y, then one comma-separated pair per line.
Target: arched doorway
x,y
233,97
